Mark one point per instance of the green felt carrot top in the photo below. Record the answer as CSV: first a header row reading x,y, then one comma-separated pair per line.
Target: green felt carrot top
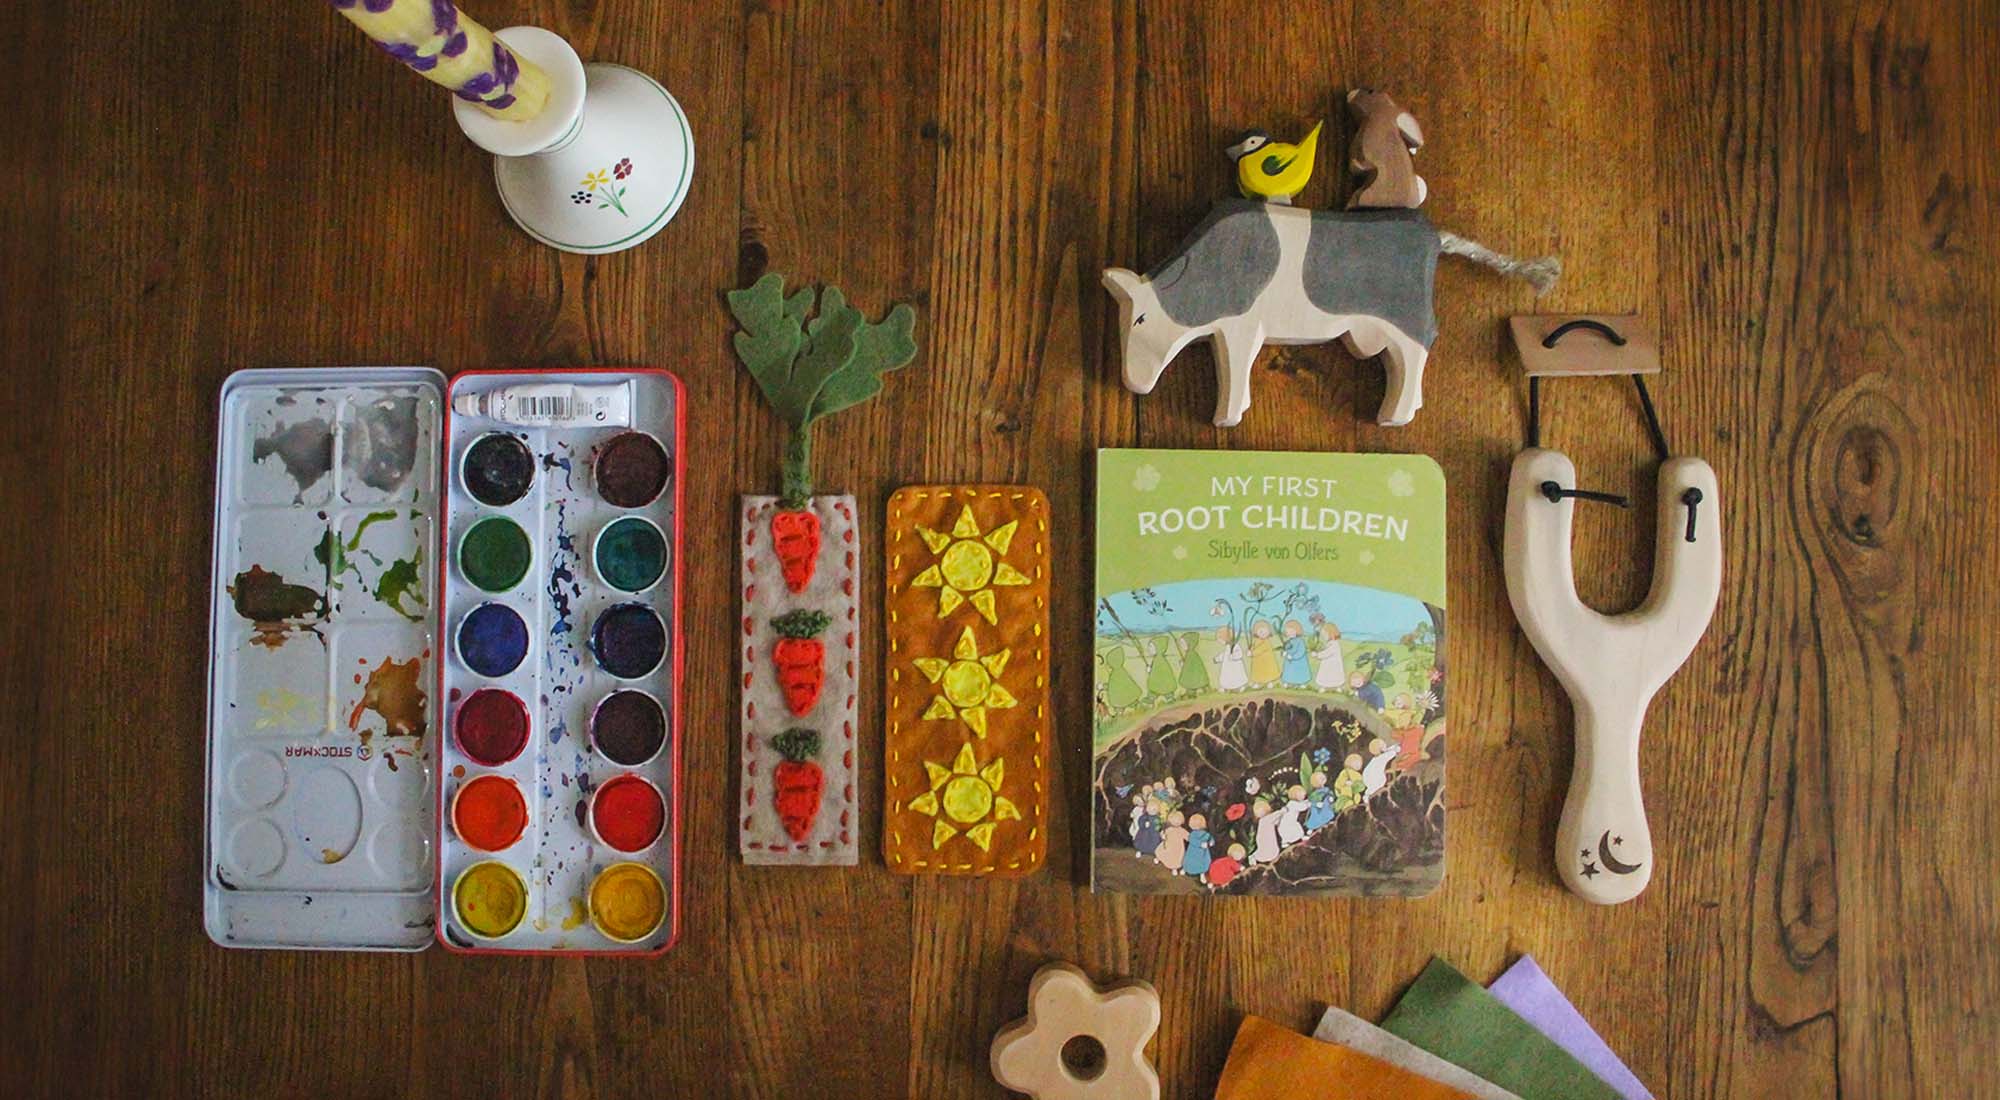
x,y
812,368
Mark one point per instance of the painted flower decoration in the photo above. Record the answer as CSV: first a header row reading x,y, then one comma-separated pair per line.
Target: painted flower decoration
x,y
1146,478
1235,812
610,196
1322,754
1251,785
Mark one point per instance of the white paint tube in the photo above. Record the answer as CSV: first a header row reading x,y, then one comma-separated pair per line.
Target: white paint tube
x,y
551,405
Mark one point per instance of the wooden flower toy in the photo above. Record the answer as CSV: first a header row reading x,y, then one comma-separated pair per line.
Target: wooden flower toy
x,y
1080,1042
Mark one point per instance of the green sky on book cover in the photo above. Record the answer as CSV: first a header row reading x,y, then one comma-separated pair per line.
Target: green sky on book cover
x,y
1366,519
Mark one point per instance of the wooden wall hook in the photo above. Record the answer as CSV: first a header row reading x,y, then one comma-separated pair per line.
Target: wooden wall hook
x,y
1079,1041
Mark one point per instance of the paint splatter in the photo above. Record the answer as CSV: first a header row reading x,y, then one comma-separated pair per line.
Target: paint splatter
x,y
277,708
551,462
305,449
379,446
399,582
275,607
577,915
393,693
328,855
563,585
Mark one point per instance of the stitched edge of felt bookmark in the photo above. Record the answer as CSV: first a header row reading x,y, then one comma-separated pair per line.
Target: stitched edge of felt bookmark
x,y
966,700
781,748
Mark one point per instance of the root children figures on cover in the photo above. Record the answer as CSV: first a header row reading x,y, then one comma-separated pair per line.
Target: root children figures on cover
x,y
801,621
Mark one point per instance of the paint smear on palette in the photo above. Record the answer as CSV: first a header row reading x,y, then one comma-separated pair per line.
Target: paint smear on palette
x,y
563,585
551,463
393,693
401,578
577,915
305,449
380,444
278,708
276,607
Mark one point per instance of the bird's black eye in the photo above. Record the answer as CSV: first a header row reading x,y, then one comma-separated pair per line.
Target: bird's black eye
x,y
1139,320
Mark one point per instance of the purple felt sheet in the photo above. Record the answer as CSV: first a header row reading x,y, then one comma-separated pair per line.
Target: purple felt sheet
x,y
1532,996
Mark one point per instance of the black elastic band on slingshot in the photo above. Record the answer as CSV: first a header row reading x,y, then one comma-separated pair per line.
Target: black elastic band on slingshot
x,y
1550,489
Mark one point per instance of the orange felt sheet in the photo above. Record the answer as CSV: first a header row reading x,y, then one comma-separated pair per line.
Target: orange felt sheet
x,y
1269,1062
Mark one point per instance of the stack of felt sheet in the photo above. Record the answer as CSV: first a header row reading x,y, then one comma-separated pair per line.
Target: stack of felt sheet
x,y
1446,1039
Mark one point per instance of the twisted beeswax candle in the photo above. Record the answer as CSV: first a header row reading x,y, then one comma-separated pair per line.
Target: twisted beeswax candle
x,y
432,37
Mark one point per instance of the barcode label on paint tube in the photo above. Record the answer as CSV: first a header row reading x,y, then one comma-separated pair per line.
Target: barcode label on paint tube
x,y
556,408
553,405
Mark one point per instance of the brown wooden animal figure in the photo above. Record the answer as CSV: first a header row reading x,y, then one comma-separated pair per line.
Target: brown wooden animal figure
x,y
1385,137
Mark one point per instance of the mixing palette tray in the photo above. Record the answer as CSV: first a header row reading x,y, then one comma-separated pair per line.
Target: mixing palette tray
x,y
560,789
321,742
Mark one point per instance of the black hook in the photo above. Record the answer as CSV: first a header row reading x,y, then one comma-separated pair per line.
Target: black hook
x,y
1691,498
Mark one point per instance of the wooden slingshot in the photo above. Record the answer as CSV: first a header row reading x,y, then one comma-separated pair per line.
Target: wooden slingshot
x,y
1611,665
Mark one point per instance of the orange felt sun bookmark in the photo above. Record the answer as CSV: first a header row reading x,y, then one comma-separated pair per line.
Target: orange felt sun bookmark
x,y
967,687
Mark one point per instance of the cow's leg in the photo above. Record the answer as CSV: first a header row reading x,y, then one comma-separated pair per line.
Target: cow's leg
x,y
1403,360
1236,348
1364,340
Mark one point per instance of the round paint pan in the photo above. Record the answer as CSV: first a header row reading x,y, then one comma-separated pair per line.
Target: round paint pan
x,y
489,813
494,554
492,640
632,469
627,813
498,469
630,554
628,902
628,727
628,640
491,726
490,898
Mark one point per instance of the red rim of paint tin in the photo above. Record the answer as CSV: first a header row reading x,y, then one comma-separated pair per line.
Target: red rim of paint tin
x,y
632,807
491,707
478,836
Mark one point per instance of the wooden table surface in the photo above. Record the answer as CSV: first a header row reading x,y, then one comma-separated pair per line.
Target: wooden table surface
x,y
1803,196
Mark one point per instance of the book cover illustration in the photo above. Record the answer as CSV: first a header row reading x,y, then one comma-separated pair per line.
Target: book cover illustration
x,y
1269,680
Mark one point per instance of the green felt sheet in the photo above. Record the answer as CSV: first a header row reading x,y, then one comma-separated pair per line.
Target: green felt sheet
x,y
1449,1015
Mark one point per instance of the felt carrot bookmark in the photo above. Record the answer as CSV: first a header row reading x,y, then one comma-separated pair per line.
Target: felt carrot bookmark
x,y
967,680
801,614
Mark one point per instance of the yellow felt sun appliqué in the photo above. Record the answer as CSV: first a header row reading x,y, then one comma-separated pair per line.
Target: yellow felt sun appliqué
x,y
968,566
968,684
965,798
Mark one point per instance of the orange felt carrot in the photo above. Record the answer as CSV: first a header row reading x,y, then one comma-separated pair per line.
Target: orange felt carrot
x,y
797,781
795,539
800,658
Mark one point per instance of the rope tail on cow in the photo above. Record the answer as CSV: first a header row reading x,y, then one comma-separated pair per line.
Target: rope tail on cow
x,y
1540,272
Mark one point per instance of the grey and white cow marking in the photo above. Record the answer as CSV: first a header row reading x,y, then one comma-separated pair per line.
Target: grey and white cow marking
x,y
1253,273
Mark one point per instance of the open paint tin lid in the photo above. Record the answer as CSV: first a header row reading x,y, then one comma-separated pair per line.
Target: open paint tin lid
x,y
322,730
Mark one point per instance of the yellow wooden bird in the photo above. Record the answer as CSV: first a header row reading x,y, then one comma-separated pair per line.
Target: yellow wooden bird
x,y
1273,170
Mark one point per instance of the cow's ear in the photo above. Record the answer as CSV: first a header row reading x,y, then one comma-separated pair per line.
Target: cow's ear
x,y
1121,283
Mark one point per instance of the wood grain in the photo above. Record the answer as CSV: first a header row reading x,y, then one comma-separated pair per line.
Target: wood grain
x,y
1802,196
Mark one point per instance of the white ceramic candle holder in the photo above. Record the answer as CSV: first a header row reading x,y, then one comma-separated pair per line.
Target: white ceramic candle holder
x,y
603,167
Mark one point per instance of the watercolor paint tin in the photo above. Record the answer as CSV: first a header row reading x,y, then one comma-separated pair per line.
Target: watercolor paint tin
x,y
321,770
564,598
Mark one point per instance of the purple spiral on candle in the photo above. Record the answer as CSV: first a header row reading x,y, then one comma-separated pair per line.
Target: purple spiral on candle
x,y
444,16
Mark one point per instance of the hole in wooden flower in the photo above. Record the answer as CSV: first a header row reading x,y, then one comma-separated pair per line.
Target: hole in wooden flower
x,y
1083,1057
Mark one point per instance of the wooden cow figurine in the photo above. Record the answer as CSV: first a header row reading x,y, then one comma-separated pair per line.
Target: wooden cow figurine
x,y
1254,273
1385,138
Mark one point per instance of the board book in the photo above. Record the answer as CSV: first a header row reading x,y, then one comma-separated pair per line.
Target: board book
x,y
1269,683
